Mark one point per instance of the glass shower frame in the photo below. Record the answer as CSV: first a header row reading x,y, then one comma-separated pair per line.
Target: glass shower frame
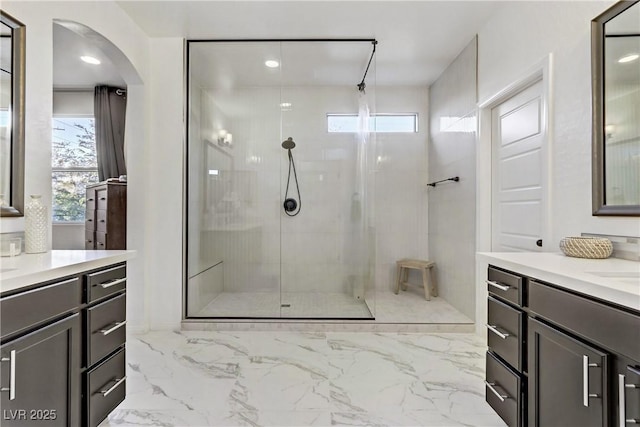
x,y
294,268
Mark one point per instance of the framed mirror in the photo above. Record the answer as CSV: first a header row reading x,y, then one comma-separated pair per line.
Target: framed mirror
x,y
615,68
12,79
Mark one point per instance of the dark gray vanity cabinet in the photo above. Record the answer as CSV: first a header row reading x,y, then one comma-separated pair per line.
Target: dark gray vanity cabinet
x,y
40,355
557,358
62,355
584,357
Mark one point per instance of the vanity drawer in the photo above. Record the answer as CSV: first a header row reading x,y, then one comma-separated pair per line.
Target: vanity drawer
x,y
106,328
105,387
101,220
101,198
20,311
503,391
106,282
89,239
505,285
504,332
600,323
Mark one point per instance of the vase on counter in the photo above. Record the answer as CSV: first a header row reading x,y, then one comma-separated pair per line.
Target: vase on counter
x,y
36,223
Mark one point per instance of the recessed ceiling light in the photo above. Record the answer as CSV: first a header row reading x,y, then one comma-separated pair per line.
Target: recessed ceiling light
x,y
272,63
629,58
90,60
285,104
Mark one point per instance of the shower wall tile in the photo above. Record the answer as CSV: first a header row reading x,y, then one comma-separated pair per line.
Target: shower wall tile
x,y
452,152
401,197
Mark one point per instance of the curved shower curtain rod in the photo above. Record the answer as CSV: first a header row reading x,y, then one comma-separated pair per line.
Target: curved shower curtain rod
x,y
362,84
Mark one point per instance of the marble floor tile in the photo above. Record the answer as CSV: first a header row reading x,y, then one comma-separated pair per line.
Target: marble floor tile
x,y
250,378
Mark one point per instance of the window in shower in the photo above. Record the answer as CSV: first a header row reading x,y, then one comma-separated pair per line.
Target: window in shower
x,y
246,258
379,123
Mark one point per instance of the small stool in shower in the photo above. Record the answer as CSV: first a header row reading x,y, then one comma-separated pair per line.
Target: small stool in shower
x,y
428,275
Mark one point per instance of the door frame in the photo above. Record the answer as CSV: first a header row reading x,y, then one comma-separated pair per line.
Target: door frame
x,y
542,71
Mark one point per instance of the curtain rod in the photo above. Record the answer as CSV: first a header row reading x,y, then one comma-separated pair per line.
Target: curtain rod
x,y
282,40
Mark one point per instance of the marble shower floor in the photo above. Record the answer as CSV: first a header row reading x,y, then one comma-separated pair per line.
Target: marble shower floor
x,y
200,378
408,307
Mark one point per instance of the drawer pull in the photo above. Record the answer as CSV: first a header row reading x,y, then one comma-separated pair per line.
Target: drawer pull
x,y
106,392
494,389
113,328
103,198
102,220
622,386
89,220
498,285
110,283
585,380
495,330
633,370
12,375
90,200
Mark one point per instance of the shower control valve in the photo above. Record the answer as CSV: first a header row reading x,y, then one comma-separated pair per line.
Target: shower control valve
x,y
290,205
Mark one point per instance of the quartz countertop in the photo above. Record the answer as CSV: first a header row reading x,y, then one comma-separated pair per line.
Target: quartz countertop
x,y
29,269
611,279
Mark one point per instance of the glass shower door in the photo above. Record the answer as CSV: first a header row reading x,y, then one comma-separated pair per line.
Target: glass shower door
x,y
234,177
246,256
325,249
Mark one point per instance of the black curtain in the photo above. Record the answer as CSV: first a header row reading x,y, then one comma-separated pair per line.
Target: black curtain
x,y
110,106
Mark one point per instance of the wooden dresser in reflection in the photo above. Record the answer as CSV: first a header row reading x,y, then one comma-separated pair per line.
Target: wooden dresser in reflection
x,y
106,216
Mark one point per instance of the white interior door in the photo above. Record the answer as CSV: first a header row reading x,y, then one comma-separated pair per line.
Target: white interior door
x,y
519,193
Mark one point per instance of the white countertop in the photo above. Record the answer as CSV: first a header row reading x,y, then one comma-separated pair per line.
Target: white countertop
x,y
29,269
611,279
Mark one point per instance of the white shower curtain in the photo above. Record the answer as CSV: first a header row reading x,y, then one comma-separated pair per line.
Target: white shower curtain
x,y
358,223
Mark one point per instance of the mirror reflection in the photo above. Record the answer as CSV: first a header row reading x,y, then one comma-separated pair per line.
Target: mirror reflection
x,y
622,108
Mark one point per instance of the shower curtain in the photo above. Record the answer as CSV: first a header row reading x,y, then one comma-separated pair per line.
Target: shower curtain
x,y
358,252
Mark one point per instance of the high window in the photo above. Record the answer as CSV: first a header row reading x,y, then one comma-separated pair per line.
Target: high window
x,y
379,123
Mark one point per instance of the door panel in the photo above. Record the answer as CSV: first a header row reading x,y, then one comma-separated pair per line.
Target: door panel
x,y
46,382
519,196
567,380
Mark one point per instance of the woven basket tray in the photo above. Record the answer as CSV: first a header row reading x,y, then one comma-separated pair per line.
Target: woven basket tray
x,y
586,247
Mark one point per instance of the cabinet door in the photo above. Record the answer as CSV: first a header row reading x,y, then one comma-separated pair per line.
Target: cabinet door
x,y
627,393
40,378
567,380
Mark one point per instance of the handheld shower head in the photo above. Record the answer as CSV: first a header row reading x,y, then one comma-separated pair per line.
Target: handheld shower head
x,y
288,144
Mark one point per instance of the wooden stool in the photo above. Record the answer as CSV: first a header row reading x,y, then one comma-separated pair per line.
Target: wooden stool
x,y
428,278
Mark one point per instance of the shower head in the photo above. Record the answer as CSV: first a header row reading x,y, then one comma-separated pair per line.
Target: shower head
x,y
288,144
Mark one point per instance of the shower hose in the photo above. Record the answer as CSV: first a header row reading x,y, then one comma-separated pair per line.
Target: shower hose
x,y
291,207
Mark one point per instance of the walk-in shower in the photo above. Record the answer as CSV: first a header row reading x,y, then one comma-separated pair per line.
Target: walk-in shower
x,y
280,219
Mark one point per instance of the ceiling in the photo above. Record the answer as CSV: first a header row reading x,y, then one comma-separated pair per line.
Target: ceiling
x,y
70,72
417,39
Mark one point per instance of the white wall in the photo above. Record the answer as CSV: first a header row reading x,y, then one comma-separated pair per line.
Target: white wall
x,y
108,19
163,213
528,32
400,185
452,152
511,44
